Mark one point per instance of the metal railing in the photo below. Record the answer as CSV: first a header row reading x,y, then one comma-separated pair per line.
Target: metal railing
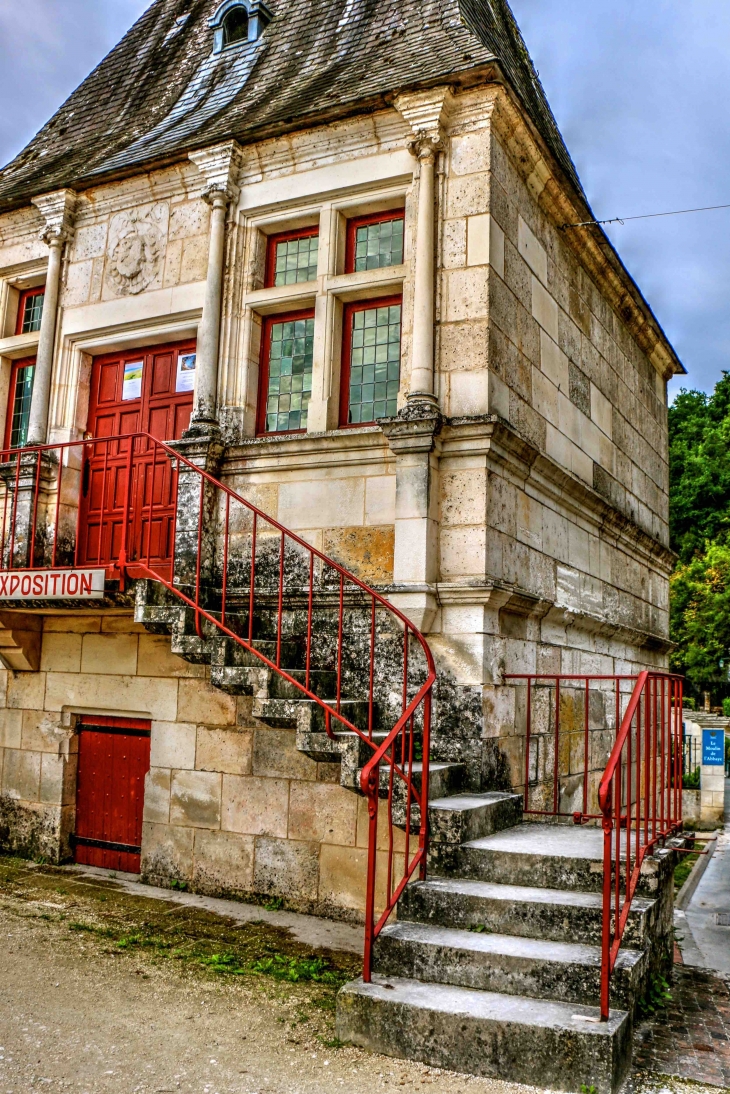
x,y
609,749
140,509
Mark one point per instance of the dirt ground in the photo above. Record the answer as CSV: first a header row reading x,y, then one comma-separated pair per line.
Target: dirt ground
x,y
102,991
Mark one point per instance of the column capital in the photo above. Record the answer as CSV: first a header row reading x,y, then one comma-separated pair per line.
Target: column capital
x,y
220,166
427,114
57,210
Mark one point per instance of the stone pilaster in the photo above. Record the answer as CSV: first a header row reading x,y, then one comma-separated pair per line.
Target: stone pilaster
x,y
413,438
220,167
57,210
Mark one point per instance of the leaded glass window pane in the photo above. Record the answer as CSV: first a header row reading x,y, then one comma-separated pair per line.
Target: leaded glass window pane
x,y
21,406
290,375
32,313
379,244
375,364
296,260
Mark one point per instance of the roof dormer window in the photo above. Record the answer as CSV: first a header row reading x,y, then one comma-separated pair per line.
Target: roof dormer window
x,y
239,21
235,26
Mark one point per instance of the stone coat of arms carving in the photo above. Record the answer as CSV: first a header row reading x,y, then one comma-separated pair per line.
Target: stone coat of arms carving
x,y
137,242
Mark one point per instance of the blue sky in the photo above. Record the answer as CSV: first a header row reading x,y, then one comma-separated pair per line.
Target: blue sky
x,y
639,88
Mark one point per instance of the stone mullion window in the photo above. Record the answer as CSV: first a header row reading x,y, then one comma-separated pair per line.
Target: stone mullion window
x,y
18,415
292,257
285,376
374,242
371,358
30,311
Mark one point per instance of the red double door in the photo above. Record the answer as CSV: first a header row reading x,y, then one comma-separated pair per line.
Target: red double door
x,y
127,488
114,758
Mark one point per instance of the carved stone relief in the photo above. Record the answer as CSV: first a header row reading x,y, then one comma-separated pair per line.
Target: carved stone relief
x,y
137,243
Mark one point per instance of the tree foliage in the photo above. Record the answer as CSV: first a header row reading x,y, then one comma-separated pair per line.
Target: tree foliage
x,y
699,468
699,453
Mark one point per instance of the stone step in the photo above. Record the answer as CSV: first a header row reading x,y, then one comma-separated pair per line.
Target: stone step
x,y
539,1042
460,817
567,971
520,910
306,714
544,855
266,683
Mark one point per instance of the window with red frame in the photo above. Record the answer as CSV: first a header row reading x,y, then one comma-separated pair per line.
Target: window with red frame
x,y
374,241
291,257
30,311
285,377
371,361
21,390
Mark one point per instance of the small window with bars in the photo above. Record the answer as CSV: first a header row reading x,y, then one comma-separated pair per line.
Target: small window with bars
x,y
292,258
374,242
371,361
30,311
286,373
21,389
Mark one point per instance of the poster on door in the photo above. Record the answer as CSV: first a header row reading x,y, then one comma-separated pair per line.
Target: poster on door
x,y
132,386
185,372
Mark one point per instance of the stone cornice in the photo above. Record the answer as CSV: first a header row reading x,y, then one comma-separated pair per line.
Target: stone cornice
x,y
57,210
502,445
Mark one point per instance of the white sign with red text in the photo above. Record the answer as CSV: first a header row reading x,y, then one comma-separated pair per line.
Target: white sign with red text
x,y
52,585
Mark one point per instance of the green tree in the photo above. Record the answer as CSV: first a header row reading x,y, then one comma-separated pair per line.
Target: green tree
x,y
699,468
700,617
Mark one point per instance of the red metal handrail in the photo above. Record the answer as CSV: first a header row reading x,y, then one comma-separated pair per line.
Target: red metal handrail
x,y
143,456
640,789
640,795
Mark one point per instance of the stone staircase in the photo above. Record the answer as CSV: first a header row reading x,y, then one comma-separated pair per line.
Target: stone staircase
x,y
493,966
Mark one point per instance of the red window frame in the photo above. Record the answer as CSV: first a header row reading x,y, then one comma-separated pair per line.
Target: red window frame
x,y
16,366
263,392
359,222
25,295
350,309
271,245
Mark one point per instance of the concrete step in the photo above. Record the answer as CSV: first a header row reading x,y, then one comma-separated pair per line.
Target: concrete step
x,y
457,818
543,1043
520,910
266,683
567,971
545,855
307,714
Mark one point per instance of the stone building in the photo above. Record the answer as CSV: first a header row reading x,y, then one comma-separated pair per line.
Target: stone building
x,y
337,250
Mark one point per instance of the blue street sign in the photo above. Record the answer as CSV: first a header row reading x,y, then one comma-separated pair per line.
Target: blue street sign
x,y
713,747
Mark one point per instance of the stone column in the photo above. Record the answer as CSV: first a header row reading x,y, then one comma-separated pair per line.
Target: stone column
x,y
425,147
57,210
220,166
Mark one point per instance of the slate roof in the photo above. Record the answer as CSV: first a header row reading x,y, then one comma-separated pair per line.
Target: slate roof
x,y
162,92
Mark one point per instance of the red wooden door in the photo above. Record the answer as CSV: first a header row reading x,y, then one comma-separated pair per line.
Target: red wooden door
x,y
114,758
135,392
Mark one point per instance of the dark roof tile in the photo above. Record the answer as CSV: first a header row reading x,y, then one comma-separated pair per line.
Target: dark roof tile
x,y
162,92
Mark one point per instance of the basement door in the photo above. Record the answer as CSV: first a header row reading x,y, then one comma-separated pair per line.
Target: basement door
x,y
141,391
114,758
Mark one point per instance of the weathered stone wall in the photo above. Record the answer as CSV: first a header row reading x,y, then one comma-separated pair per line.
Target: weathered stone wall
x,y
231,807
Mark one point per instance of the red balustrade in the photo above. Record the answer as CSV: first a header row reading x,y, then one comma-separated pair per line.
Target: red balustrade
x,y
636,794
115,503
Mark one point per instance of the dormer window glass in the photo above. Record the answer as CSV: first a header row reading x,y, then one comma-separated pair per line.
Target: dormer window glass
x,y
235,27
30,311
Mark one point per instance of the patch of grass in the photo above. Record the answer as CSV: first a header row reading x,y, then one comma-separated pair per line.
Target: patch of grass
x,y
683,870
179,886
479,928
275,904
190,938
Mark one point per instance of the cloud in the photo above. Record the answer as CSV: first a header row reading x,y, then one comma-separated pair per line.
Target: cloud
x,y
47,47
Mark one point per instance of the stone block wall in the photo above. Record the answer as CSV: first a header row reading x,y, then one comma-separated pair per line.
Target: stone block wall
x,y
231,807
